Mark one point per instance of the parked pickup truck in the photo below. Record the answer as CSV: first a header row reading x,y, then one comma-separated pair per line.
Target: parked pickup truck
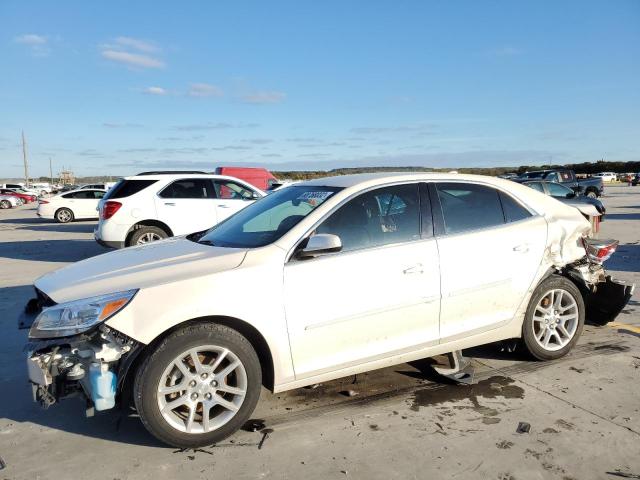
x,y
591,187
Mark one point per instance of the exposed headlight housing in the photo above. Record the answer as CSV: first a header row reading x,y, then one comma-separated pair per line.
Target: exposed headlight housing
x,y
76,317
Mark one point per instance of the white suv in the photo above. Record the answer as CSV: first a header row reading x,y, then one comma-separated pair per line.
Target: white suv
x,y
156,205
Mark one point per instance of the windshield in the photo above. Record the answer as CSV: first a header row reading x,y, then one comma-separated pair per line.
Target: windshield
x,y
268,219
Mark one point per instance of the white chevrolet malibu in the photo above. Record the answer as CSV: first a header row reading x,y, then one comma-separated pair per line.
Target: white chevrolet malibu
x,y
319,280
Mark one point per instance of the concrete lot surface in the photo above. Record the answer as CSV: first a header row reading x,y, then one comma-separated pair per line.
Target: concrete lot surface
x,y
584,410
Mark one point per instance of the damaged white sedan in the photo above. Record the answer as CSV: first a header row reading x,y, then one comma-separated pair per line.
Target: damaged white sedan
x,y
316,281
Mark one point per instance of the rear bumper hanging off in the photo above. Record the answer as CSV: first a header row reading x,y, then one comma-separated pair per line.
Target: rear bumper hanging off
x,y
606,300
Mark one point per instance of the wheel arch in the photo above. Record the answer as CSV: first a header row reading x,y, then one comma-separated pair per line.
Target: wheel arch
x,y
147,223
247,330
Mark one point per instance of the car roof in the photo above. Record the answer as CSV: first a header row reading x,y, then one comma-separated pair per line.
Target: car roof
x,y
361,179
173,176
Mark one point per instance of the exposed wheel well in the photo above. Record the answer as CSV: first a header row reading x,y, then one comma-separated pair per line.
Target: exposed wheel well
x,y
248,331
147,223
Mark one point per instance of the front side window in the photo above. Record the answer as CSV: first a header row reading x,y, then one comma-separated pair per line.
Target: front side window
x,y
266,220
380,217
229,190
467,206
189,188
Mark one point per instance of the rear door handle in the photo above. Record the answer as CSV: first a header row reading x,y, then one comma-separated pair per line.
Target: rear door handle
x,y
170,204
523,248
223,206
415,269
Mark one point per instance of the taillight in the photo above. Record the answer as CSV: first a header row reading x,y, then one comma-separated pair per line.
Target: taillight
x,y
109,209
599,251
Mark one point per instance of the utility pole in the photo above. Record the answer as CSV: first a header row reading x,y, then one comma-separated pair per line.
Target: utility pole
x,y
24,158
50,172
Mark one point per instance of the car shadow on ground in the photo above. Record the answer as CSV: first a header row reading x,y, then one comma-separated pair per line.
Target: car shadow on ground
x,y
51,250
621,216
625,259
75,227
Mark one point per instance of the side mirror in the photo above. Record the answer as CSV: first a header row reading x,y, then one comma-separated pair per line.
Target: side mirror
x,y
571,195
253,196
320,244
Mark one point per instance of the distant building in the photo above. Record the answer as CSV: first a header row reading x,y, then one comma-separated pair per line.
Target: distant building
x,y
67,177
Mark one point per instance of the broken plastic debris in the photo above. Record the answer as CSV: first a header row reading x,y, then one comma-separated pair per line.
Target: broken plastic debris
x,y
523,427
349,393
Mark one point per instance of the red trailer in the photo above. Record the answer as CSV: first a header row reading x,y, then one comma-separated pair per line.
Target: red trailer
x,y
258,177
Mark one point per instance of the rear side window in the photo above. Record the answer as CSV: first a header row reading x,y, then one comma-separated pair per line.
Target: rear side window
x,y
513,211
126,188
467,206
189,188
81,195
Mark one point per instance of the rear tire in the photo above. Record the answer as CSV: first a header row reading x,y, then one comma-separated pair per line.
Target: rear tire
x,y
64,215
554,319
145,235
176,416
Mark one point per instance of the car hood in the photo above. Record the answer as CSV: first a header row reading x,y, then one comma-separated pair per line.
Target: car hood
x,y
160,262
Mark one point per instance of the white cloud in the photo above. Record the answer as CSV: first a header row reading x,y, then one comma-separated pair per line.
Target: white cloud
x,y
31,39
204,90
137,44
263,97
132,52
155,91
38,44
135,60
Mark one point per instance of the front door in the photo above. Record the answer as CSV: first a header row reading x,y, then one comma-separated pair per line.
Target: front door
x,y
377,297
231,197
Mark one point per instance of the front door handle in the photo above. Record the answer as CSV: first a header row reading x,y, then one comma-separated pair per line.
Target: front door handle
x,y
170,204
223,206
523,248
415,269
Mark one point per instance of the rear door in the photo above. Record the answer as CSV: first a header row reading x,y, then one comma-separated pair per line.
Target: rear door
x,y
83,203
187,205
490,249
231,197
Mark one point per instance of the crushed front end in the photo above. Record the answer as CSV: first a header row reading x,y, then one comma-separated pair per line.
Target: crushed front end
x,y
91,362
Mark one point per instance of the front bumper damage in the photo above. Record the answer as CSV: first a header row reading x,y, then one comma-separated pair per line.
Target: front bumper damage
x,y
66,367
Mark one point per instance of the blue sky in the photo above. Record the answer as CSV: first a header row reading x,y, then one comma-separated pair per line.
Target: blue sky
x,y
117,87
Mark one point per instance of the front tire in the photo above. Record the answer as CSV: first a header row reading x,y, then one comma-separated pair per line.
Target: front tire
x,y
64,215
198,386
592,194
5,204
554,319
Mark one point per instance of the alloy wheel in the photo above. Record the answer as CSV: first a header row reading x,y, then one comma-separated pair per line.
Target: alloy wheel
x,y
148,237
555,319
202,389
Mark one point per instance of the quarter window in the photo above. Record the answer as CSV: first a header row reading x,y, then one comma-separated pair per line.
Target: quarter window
x,y
380,217
189,188
466,206
513,211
